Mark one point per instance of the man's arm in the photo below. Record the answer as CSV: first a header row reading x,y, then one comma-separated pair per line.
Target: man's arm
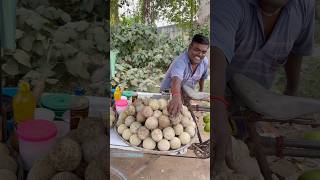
x,y
220,134
175,104
201,85
292,69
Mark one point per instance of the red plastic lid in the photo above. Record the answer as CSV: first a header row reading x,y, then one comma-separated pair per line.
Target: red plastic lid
x,y
37,130
122,102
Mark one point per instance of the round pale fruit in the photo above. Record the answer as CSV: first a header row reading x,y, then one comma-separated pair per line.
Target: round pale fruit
x,y
207,127
206,118
310,175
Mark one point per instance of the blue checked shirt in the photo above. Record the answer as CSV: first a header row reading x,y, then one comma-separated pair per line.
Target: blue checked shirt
x,y
237,29
181,68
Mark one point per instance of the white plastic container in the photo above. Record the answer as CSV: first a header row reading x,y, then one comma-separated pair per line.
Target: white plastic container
x,y
36,139
121,105
63,128
43,113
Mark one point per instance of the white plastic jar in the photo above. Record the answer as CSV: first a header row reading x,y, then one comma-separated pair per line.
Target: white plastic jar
x,y
121,105
36,139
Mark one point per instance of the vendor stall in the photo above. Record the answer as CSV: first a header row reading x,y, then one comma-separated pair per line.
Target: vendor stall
x,y
156,138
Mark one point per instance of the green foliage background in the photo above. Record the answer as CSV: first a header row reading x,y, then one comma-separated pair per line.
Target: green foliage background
x,y
144,55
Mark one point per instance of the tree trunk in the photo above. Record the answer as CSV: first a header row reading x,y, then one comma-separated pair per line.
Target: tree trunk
x,y
114,11
146,11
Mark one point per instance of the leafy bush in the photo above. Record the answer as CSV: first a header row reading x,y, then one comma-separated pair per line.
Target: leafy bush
x,y
144,56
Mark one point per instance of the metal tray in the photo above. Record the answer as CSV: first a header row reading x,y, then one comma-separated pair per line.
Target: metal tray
x,y
181,150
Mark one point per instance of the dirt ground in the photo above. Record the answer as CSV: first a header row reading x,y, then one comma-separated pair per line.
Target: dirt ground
x,y
177,168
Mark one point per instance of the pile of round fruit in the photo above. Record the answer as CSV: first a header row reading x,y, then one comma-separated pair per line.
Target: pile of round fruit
x,y
146,123
206,120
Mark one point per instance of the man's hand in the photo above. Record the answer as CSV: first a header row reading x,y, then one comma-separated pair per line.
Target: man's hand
x,y
175,105
222,137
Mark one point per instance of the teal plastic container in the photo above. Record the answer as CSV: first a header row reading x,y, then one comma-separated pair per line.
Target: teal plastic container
x,y
59,103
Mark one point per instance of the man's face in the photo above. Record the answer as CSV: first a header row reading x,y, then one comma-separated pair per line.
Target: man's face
x,y
197,52
274,4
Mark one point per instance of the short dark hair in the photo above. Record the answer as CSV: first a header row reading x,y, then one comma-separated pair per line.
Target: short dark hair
x,y
199,38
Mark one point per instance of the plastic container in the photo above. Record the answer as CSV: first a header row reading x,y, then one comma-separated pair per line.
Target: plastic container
x,y
79,107
43,113
124,98
128,94
10,91
36,139
62,127
23,104
59,103
121,105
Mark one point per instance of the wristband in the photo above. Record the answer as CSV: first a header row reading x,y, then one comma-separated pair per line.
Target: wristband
x,y
175,94
221,99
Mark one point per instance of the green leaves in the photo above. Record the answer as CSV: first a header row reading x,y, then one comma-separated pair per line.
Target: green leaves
x,y
144,56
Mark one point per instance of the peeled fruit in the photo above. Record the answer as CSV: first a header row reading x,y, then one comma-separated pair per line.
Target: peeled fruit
x,y
176,120
94,172
41,169
126,134
135,140
131,110
185,121
143,132
206,118
121,128
151,123
178,129
163,145
140,117
157,113
190,130
193,124
153,103
147,111
184,138
146,101
129,120
310,175
168,133
66,155
165,112
164,121
112,118
156,135
207,127
138,104
314,135
134,127
148,143
175,143
184,110
121,118
92,148
162,103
